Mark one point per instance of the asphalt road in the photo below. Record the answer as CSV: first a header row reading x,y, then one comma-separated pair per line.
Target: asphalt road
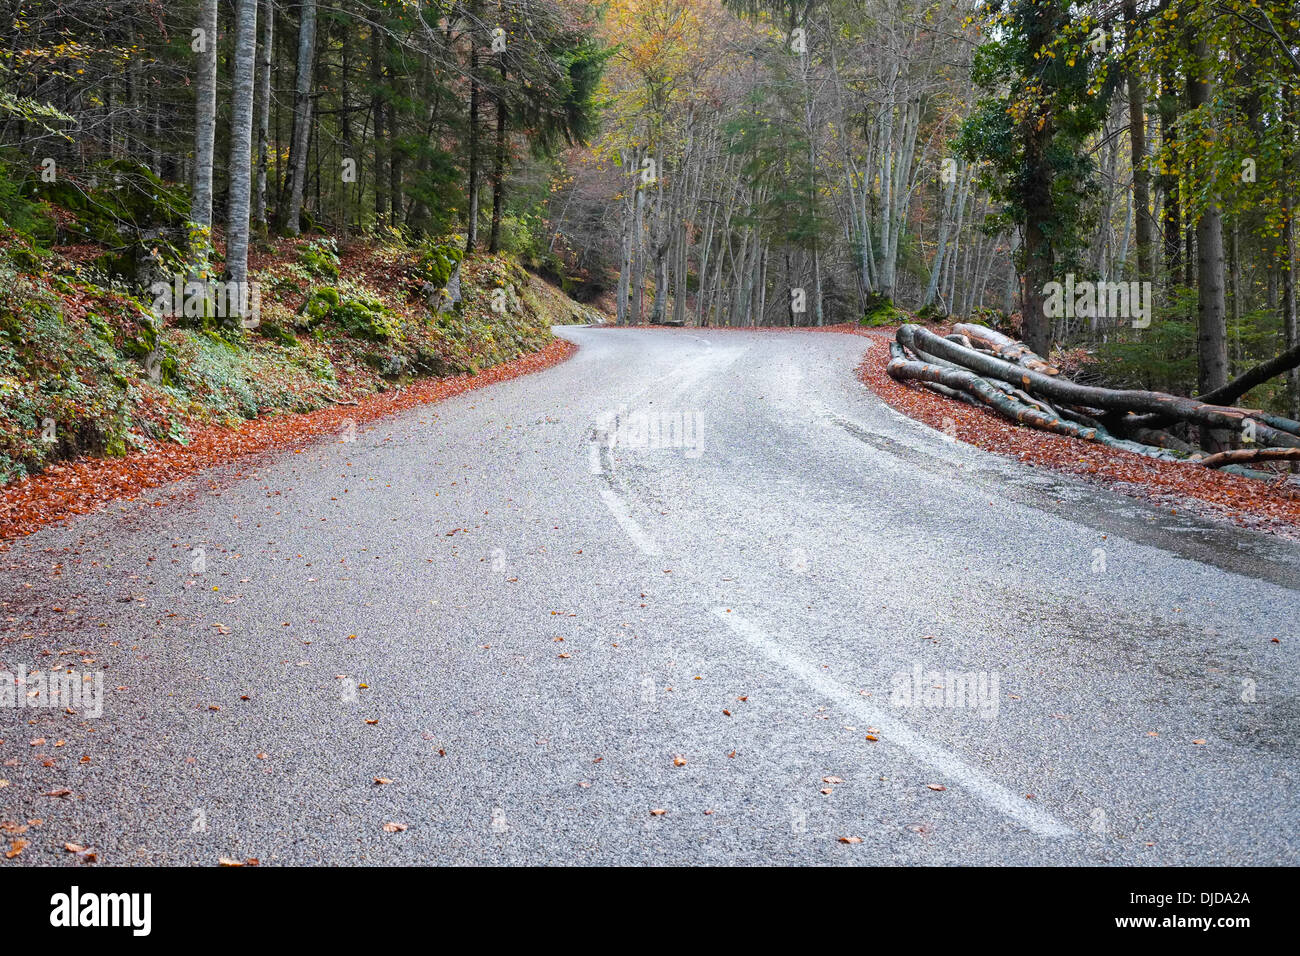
x,y
566,636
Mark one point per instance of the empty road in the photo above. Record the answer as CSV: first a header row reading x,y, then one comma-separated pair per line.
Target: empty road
x,y
692,596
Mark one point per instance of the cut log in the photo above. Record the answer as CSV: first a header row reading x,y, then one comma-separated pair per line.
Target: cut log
x,y
1248,379
1026,398
1127,428
1062,390
1005,347
952,393
1245,455
965,381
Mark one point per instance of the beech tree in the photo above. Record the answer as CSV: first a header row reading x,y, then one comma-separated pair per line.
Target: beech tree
x,y
241,132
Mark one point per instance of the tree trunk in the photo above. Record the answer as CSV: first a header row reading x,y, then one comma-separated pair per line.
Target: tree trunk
x,y
498,169
1170,213
1145,225
1289,184
205,126
625,244
301,115
377,121
396,196
241,145
471,237
1038,129
1211,314
264,115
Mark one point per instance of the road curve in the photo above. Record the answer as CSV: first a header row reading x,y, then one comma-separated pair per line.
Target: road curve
x,y
692,596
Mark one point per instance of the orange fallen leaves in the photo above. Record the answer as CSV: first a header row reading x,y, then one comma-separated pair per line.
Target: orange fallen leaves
x,y
1247,501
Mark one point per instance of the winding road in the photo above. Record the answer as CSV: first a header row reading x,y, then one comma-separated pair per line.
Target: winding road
x,y
692,596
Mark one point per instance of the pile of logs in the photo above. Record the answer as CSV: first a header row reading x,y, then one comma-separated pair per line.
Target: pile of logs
x,y
983,367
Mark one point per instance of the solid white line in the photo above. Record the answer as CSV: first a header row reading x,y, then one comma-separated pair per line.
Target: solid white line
x,y
897,732
645,544
595,459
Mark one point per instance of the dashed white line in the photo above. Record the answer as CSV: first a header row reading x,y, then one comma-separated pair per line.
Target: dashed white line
x,y
645,544
896,732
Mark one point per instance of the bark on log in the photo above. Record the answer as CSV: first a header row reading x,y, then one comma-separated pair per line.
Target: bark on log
x,y
1128,428
1243,455
952,393
1005,347
1248,379
972,384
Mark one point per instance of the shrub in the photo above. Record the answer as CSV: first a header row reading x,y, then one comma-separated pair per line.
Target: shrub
x,y
320,257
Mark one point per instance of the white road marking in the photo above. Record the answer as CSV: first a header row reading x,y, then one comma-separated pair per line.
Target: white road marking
x,y
645,544
894,731
595,459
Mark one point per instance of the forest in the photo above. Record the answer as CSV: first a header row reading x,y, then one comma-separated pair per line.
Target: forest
x,y
1099,192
